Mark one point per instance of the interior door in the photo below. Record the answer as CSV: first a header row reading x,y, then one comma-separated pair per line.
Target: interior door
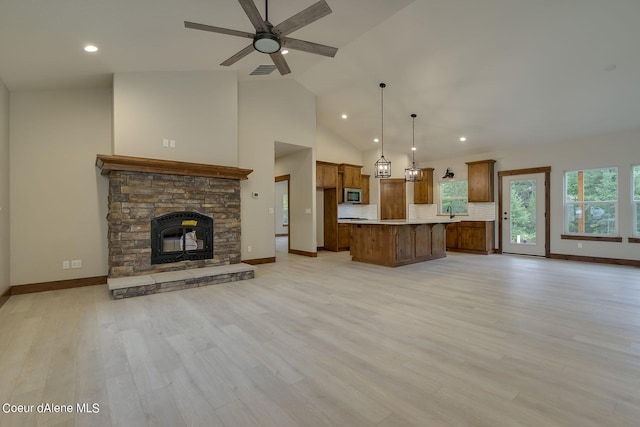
x,y
522,216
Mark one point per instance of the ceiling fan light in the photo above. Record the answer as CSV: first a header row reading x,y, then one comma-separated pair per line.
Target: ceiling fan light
x,y
266,43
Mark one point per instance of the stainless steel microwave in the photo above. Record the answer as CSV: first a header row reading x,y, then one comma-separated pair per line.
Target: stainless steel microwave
x,y
352,195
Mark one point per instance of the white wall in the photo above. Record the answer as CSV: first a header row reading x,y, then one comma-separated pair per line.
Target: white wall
x,y
199,110
281,190
4,189
334,149
269,111
58,198
618,149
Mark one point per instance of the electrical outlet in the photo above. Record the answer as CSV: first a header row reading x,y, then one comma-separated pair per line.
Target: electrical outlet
x,y
580,245
65,265
165,142
172,143
76,263
249,248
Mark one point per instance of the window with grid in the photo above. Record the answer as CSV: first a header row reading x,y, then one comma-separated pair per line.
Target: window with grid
x,y
591,202
453,197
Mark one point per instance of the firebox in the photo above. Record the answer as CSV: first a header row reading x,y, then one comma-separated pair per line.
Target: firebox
x,y
181,236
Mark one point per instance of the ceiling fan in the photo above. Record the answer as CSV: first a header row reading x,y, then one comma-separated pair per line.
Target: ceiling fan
x,y
269,39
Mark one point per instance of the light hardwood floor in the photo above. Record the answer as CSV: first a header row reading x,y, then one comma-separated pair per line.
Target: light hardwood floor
x,y
468,340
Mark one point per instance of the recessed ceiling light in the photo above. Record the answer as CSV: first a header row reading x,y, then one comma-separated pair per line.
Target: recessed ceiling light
x,y
284,51
90,48
376,140
463,138
344,116
413,148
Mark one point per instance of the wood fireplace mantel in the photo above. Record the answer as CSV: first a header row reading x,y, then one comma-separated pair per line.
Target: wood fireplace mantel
x,y
108,163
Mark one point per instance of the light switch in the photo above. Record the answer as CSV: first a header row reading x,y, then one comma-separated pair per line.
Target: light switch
x,y
307,210
271,211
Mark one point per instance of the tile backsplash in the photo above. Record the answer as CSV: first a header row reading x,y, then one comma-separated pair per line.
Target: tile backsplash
x,y
423,211
482,211
477,212
348,210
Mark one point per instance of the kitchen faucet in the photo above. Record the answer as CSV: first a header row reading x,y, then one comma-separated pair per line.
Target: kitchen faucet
x,y
451,214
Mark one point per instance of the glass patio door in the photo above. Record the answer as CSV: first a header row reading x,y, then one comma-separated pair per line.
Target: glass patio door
x,y
523,224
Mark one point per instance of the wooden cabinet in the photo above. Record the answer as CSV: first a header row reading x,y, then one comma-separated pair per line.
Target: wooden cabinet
x,y
330,219
471,236
343,236
350,175
423,190
452,236
365,189
394,245
326,175
480,177
393,204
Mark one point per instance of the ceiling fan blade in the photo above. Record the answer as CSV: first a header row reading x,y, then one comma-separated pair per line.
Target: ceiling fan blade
x,y
238,56
280,63
310,47
306,17
253,14
203,27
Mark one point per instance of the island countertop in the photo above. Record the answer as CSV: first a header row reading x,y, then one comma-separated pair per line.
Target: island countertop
x,y
444,220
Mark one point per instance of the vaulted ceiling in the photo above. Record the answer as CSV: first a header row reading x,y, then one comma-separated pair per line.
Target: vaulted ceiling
x,y
502,73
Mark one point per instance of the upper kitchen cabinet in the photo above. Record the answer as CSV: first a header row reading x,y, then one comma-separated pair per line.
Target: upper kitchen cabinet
x,y
365,189
326,175
423,190
480,178
350,175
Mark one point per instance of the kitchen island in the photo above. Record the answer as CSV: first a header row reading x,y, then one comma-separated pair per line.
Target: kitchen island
x,y
397,242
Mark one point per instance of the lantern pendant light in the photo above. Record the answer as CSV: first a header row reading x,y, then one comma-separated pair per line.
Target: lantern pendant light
x,y
382,167
413,174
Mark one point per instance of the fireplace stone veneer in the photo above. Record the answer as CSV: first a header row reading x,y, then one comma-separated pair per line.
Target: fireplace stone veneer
x,y
143,189
136,198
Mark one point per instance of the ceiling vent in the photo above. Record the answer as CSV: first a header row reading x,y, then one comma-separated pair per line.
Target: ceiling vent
x,y
263,70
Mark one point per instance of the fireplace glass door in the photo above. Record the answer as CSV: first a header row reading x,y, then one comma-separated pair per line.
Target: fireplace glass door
x,y
181,236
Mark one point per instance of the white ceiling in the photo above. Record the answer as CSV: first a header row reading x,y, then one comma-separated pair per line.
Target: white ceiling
x,y
500,72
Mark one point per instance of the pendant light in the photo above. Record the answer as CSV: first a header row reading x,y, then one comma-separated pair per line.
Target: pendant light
x,y
413,174
382,166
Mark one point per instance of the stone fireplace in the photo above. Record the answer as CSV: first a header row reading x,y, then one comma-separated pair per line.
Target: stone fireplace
x,y
197,208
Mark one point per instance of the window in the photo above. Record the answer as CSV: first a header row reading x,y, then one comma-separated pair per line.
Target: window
x,y
285,209
453,197
591,202
636,201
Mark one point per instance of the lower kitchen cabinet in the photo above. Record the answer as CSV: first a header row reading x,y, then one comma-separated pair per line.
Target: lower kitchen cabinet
x,y
471,236
344,237
397,244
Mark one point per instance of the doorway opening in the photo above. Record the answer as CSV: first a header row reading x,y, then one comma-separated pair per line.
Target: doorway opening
x,y
524,205
281,213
